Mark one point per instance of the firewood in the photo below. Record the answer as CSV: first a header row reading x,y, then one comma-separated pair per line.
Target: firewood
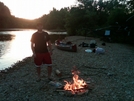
x,y
93,67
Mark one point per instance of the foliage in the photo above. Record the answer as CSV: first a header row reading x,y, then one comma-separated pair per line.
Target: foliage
x,y
4,15
55,19
83,19
130,4
116,15
4,10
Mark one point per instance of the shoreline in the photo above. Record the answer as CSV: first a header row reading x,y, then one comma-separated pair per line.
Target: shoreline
x,y
15,65
112,74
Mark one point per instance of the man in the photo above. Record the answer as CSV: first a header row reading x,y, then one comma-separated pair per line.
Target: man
x,y
42,55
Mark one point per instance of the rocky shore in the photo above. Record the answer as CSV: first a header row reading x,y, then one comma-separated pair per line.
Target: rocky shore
x,y
111,74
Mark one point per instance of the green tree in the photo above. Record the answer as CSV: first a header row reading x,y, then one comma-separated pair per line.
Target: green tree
x,y
4,15
74,20
117,15
55,19
130,5
4,10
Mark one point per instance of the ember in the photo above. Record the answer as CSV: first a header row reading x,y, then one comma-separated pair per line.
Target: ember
x,y
77,86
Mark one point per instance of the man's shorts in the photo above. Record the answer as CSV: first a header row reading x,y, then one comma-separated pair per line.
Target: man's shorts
x,y
42,58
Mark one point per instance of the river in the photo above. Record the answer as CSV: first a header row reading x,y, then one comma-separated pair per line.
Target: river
x,y
18,48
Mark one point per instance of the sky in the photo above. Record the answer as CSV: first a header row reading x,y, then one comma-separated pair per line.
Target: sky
x,y
32,9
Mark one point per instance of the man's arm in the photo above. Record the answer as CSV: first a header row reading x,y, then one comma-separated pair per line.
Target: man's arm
x,y
32,48
50,46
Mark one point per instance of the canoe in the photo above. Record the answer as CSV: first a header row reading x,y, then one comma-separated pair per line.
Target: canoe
x,y
66,46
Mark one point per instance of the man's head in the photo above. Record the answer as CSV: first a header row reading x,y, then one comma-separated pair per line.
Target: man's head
x,y
39,26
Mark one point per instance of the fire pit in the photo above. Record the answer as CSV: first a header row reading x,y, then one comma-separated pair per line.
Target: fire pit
x,y
75,87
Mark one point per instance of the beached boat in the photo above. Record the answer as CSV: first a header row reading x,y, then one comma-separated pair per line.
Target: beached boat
x,y
68,46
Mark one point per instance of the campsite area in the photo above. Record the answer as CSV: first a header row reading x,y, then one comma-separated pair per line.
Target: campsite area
x,y
110,73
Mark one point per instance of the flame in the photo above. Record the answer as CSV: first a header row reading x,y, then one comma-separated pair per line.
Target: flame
x,y
77,85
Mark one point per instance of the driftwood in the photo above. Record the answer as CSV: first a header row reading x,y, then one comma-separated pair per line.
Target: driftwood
x,y
93,67
79,75
70,76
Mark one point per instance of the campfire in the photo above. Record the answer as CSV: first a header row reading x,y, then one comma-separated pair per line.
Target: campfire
x,y
77,86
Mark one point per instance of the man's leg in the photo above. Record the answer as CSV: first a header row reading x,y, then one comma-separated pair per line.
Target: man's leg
x,y
48,61
38,69
38,62
49,69
39,72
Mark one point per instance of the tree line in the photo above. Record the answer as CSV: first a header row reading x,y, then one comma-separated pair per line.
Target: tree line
x,y
88,17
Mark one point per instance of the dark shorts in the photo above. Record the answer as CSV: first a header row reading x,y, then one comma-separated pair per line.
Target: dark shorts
x,y
42,58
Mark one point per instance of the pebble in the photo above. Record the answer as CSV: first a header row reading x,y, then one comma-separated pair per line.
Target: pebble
x,y
22,76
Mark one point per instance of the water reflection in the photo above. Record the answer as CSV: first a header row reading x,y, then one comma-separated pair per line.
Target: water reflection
x,y
20,47
4,47
16,49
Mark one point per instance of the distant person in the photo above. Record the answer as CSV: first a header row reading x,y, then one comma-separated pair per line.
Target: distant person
x,y
41,54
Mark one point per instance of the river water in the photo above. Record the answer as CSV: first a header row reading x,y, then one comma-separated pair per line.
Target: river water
x,y
18,48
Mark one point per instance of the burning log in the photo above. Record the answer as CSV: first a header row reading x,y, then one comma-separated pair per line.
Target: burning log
x,y
75,87
69,93
78,86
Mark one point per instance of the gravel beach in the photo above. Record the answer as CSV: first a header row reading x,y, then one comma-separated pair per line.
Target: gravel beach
x,y
111,74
